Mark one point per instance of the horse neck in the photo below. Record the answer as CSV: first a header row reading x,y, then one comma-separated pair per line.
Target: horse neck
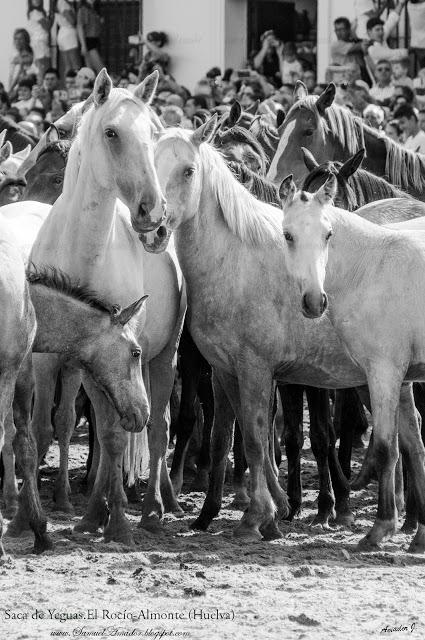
x,y
62,322
376,153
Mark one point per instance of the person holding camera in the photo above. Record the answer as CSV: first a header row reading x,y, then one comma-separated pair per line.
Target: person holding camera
x,y
266,61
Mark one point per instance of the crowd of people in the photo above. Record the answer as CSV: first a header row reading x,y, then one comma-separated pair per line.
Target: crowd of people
x,y
57,58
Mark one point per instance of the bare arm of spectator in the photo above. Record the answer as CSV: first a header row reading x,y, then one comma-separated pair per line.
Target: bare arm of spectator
x,y
81,23
393,18
258,59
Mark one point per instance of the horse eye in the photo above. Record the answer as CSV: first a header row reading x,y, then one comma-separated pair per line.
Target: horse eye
x,y
58,180
188,173
288,237
309,132
62,133
110,133
136,353
329,235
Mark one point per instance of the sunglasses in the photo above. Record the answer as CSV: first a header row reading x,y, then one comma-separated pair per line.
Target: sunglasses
x,y
383,69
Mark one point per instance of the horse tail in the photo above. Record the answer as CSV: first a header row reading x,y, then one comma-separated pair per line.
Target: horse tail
x,y
136,457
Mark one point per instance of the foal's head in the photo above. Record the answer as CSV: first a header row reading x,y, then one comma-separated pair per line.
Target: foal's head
x,y
307,230
116,137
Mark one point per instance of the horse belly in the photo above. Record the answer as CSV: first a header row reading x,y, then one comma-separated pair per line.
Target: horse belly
x,y
331,375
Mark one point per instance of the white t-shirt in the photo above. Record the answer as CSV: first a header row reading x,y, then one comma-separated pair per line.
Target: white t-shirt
x,y
39,35
361,9
378,51
289,68
416,143
67,34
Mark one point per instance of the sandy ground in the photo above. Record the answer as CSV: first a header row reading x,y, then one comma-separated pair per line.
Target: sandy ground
x,y
310,584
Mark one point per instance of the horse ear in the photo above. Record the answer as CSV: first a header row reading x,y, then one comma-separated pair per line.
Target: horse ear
x,y
6,151
205,132
52,134
129,312
253,108
102,87
2,137
327,192
326,98
235,114
287,190
280,118
145,91
309,159
352,164
24,153
300,90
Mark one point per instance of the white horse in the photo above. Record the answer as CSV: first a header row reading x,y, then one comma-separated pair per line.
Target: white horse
x,y
370,279
90,234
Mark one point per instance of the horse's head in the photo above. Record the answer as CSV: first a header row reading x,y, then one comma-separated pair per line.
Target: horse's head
x,y
179,166
44,181
240,145
302,127
116,143
307,230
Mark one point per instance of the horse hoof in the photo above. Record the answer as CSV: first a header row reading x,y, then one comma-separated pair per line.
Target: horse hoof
x,y
366,545
120,537
416,547
87,526
10,510
345,519
42,544
151,523
64,507
271,531
246,534
409,527
200,524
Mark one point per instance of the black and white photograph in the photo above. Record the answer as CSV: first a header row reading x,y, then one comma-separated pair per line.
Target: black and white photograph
x,y
212,319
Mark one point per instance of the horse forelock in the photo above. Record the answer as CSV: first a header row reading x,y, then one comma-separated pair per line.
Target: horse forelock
x,y
60,147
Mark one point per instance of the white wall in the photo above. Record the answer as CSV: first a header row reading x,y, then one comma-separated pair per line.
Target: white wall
x,y
13,15
196,31
235,33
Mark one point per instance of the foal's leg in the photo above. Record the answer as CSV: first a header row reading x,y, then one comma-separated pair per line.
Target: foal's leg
x,y
65,417
241,499
10,485
384,389
292,405
221,442
46,368
30,510
413,458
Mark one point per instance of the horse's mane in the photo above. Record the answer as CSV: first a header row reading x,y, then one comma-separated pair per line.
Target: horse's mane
x,y
359,189
239,135
61,147
259,186
403,167
251,220
56,279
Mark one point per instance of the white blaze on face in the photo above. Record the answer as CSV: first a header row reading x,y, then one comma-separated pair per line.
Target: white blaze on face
x,y
272,172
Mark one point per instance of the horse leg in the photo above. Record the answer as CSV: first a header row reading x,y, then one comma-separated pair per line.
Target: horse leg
x,y
161,374
224,387
65,418
30,510
414,459
206,398
95,458
241,499
291,396
190,369
10,484
340,484
384,390
346,399
46,368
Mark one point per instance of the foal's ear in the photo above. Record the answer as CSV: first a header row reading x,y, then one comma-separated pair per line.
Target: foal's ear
x,y
352,164
145,91
6,151
280,118
327,192
309,159
24,153
52,134
2,137
287,190
300,90
205,132
132,310
235,114
102,87
326,98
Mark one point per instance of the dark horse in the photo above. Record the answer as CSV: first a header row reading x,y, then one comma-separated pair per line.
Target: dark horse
x,y
331,132
44,180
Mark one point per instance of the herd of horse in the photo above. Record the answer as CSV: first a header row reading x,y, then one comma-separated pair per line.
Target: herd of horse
x,y
274,260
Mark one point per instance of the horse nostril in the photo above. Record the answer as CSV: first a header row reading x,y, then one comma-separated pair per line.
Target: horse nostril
x,y
324,302
142,211
305,302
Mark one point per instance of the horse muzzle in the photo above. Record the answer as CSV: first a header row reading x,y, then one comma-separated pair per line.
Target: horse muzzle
x,y
148,217
134,423
156,241
314,305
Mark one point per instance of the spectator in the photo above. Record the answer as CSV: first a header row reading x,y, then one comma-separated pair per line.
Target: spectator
x,y
250,92
393,131
85,79
364,10
360,98
38,27
64,34
175,99
4,102
408,121
419,87
21,65
416,13
59,108
421,119
400,70
379,32
403,95
155,56
89,26
346,50
383,90
374,116
290,67
73,94
45,92
26,101
37,117
309,79
172,115
18,138
266,61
